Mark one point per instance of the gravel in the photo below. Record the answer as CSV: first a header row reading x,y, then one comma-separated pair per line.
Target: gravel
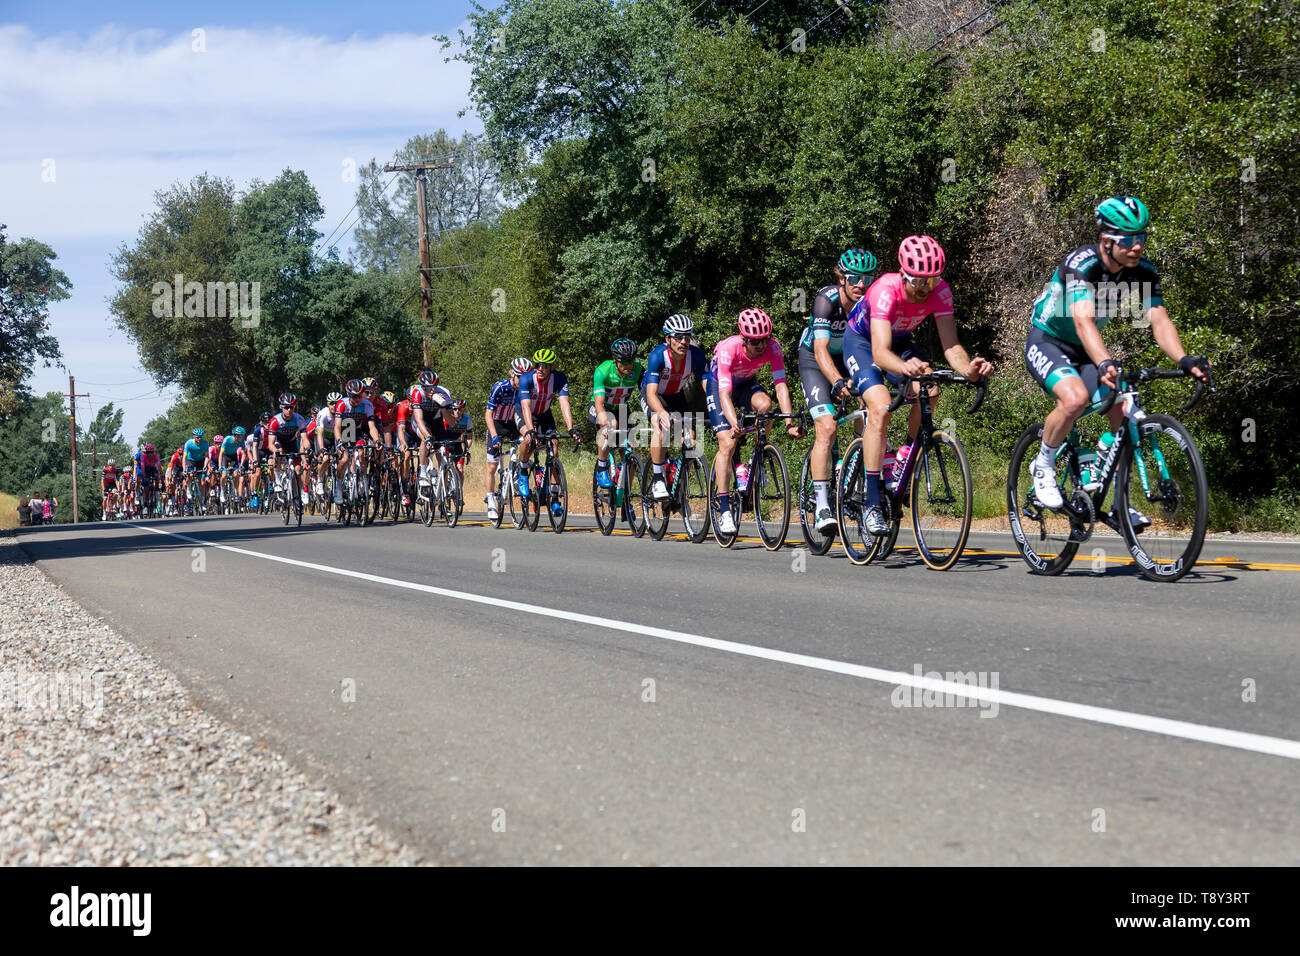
x,y
106,761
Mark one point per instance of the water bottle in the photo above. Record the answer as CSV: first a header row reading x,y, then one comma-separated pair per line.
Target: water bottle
x,y
670,474
887,468
618,486
1087,461
1100,458
742,478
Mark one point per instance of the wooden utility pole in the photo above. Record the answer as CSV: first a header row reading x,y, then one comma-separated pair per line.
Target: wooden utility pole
x,y
72,397
422,213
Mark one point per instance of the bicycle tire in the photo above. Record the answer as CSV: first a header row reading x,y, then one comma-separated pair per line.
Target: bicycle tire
x,y
1174,561
602,503
770,491
816,542
1057,551
632,475
449,513
860,546
656,513
296,493
723,539
940,547
532,504
693,498
557,477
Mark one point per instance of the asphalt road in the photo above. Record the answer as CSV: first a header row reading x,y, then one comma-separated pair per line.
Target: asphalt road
x,y
537,699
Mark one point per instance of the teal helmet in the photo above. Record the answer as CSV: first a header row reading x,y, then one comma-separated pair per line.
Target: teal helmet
x,y
858,262
1123,214
197,433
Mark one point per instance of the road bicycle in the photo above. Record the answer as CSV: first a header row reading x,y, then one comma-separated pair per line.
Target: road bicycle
x,y
356,486
446,492
847,410
551,490
767,491
688,493
290,490
618,498
1170,475
935,482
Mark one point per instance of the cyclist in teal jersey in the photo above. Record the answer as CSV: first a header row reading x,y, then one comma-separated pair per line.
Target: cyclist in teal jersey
x,y
1065,353
615,382
821,365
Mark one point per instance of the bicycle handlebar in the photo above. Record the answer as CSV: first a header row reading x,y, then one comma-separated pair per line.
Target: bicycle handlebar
x,y
941,376
1145,375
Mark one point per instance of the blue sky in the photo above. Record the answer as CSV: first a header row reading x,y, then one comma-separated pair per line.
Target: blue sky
x,y
103,104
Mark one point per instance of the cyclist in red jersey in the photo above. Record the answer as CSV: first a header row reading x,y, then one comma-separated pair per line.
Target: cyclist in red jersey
x,y
108,485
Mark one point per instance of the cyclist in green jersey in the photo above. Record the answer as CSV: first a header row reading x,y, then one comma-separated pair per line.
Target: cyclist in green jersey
x,y
1065,353
615,382
821,365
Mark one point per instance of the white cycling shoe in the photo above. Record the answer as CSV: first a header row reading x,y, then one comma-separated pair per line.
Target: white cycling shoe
x,y
659,489
726,523
1045,488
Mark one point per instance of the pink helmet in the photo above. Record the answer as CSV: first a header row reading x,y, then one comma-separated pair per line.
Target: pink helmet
x,y
920,256
755,323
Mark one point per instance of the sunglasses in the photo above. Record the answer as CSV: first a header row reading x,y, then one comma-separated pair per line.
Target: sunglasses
x,y
757,343
680,337
853,278
919,282
1128,241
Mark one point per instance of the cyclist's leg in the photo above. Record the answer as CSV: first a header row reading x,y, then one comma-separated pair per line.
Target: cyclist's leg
x,y
726,440
821,405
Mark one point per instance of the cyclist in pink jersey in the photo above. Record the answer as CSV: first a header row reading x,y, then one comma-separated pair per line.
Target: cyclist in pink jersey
x,y
878,346
732,383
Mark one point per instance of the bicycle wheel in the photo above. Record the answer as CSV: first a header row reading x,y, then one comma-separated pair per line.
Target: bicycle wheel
x,y
655,512
771,491
1171,490
450,514
693,498
634,493
817,542
532,504
557,478
860,546
602,503
287,509
295,496
724,540
1042,536
509,478
941,501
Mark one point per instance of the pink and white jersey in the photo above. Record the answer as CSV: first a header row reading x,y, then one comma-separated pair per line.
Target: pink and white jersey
x,y
885,302
731,364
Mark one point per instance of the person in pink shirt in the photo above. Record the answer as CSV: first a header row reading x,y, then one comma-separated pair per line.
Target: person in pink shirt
x,y
878,347
732,384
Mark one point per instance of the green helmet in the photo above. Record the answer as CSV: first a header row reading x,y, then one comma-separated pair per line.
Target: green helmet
x,y
1123,214
858,261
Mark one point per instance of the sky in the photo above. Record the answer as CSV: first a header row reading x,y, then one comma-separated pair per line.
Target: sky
x,y
102,105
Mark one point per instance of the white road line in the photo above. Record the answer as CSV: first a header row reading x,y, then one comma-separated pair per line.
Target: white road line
x,y
1256,743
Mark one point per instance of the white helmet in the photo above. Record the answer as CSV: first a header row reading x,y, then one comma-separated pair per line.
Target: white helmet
x,y
112,461
333,398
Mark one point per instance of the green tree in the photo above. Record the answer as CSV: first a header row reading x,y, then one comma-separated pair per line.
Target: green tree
x,y
28,284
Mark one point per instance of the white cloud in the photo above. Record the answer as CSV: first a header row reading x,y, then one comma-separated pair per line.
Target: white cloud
x,y
124,114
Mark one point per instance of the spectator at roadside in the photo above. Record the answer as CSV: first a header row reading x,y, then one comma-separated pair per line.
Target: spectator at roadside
x,y
38,508
50,504
24,512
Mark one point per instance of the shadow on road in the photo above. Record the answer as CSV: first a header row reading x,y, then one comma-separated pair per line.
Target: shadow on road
x,y
48,543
